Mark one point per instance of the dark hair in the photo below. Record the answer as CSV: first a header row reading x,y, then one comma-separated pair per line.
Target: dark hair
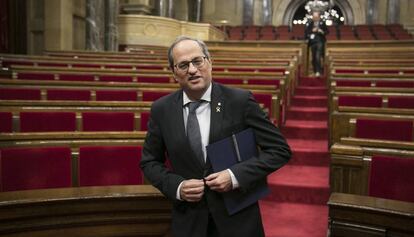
x,y
202,45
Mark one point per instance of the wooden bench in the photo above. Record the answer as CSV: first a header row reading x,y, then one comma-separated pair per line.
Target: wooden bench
x,y
351,158
106,144
268,95
139,210
357,215
76,113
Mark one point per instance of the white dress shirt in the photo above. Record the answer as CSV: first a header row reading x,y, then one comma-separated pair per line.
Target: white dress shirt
x,y
203,113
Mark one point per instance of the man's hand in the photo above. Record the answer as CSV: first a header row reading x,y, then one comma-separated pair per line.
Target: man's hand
x,y
220,182
192,190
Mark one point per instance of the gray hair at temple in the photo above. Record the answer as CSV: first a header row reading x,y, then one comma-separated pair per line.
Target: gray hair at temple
x,y
182,38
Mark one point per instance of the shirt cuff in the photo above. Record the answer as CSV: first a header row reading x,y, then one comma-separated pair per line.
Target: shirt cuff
x,y
178,195
234,182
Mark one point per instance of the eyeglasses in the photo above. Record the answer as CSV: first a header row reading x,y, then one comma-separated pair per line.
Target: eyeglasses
x,y
197,62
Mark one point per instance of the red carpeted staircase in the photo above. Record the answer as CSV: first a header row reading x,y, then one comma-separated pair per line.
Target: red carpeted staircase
x,y
300,190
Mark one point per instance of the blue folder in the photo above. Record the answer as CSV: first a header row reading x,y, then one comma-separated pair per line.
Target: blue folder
x,y
229,151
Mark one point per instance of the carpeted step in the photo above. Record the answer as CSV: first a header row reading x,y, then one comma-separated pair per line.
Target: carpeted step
x,y
311,90
312,81
307,113
294,219
309,152
303,184
310,101
305,129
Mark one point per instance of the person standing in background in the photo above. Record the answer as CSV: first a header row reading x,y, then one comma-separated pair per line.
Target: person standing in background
x,y
315,32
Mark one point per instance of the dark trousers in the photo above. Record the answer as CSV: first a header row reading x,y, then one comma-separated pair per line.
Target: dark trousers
x,y
317,54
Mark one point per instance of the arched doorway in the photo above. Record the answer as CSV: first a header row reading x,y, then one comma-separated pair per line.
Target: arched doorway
x,y
296,9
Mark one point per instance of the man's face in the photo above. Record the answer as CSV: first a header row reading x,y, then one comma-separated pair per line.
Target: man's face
x,y
316,16
192,78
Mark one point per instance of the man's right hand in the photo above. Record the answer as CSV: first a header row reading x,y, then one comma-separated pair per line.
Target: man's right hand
x,y
192,190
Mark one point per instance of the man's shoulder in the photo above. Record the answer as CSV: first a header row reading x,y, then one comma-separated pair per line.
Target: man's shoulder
x,y
166,100
231,92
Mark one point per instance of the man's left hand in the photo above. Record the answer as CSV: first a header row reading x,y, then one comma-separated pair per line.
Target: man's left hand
x,y
220,181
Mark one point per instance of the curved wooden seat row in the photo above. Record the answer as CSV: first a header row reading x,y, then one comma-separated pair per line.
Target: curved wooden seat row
x,y
238,72
275,99
351,159
87,211
342,122
6,61
356,215
71,139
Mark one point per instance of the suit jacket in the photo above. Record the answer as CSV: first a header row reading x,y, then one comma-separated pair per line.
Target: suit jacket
x,y
319,37
166,137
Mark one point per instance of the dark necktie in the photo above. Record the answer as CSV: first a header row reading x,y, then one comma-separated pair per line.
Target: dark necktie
x,y
193,130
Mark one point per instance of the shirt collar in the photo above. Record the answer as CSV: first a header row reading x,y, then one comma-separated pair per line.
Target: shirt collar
x,y
206,96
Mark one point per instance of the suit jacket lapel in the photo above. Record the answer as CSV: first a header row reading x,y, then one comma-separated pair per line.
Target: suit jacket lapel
x,y
217,111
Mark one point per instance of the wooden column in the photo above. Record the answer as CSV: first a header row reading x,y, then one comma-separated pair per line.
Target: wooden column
x,y
58,25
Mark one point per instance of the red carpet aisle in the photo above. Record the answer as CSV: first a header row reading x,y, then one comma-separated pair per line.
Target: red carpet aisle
x,y
297,206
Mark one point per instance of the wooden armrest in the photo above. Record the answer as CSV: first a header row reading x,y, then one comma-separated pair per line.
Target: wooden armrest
x,y
377,143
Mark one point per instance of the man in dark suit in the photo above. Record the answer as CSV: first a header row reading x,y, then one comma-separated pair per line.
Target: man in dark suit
x,y
315,32
216,112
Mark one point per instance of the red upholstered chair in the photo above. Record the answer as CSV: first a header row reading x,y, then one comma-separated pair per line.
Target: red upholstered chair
x,y
392,178
348,71
109,165
116,95
86,65
401,102
108,121
47,121
36,76
395,130
232,81
396,84
6,122
68,94
119,66
19,94
360,101
116,78
353,83
51,64
153,79
76,77
144,120
35,168
274,82
153,95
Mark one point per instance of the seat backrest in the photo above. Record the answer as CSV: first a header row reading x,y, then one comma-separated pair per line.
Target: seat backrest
x,y
68,94
394,130
401,102
6,122
392,178
47,121
19,94
35,168
116,95
153,95
109,165
360,101
108,121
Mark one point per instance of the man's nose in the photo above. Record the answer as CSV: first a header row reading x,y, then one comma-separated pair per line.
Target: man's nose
x,y
191,68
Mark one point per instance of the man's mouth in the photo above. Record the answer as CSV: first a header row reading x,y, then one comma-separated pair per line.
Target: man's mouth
x,y
193,78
